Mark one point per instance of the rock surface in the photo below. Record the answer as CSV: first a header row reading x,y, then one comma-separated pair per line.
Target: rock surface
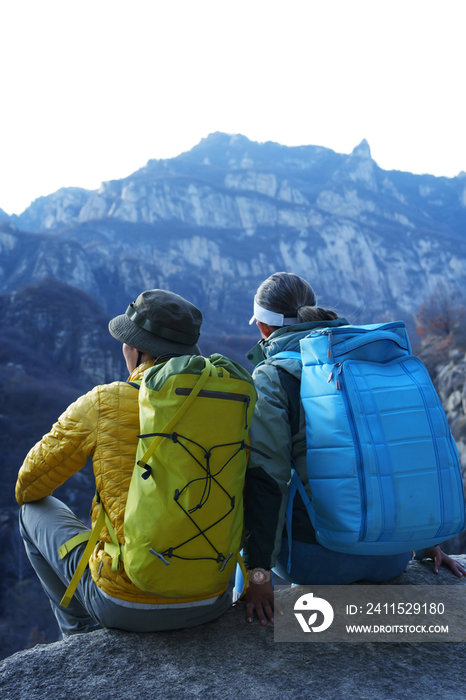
x,y
229,659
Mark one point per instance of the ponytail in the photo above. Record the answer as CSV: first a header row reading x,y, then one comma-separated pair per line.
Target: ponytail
x,y
290,295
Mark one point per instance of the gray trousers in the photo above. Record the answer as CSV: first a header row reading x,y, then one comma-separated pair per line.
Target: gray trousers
x,y
47,524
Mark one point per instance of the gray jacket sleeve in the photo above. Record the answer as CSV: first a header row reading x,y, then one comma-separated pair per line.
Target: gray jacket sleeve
x,y
266,491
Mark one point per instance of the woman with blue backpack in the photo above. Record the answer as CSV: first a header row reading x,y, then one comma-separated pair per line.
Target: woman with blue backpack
x,y
279,533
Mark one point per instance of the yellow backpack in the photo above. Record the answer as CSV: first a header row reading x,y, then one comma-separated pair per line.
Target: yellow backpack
x,y
184,512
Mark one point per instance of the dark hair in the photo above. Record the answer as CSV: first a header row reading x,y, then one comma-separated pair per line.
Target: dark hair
x,y
290,295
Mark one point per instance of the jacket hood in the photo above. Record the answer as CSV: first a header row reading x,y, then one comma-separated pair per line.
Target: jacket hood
x,y
287,338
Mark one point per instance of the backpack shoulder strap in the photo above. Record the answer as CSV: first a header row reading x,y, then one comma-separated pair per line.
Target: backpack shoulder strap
x,y
291,385
296,486
287,355
115,549
64,549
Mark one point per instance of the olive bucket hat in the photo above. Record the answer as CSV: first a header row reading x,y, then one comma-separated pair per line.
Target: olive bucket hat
x,y
159,323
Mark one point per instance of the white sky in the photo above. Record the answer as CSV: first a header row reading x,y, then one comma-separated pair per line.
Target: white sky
x,y
91,90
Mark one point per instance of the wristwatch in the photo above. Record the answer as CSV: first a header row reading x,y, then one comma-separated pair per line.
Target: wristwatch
x,y
259,576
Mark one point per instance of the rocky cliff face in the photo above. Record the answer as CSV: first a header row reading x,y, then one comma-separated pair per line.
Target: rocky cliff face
x,y
58,209
213,222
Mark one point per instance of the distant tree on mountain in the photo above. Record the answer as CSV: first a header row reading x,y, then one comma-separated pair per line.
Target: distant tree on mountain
x,y
442,315
441,324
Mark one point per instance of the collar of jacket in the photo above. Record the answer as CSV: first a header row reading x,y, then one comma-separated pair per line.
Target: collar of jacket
x,y
137,373
287,338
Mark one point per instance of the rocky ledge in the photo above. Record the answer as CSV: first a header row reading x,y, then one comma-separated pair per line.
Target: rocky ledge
x,y
229,658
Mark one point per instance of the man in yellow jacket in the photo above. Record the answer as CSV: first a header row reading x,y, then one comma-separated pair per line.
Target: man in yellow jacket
x,y
104,424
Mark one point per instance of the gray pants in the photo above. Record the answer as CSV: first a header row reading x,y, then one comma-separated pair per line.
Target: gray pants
x,y
47,524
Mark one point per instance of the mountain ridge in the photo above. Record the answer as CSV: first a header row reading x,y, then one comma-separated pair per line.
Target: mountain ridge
x,y
214,221
218,150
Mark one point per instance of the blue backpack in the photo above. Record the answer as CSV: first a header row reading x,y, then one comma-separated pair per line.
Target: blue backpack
x,y
382,464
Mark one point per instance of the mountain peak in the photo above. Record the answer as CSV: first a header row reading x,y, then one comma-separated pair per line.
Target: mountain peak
x,y
363,150
222,136
359,167
219,139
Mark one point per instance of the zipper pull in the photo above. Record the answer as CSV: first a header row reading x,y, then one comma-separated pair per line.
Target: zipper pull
x,y
338,381
329,351
248,400
330,376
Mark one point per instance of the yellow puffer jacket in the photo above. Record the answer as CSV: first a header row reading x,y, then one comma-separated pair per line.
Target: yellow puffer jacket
x,y
102,424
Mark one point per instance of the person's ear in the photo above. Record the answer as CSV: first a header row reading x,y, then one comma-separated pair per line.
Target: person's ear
x,y
265,330
131,357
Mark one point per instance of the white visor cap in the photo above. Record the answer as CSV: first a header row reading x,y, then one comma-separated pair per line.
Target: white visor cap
x,y
270,317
